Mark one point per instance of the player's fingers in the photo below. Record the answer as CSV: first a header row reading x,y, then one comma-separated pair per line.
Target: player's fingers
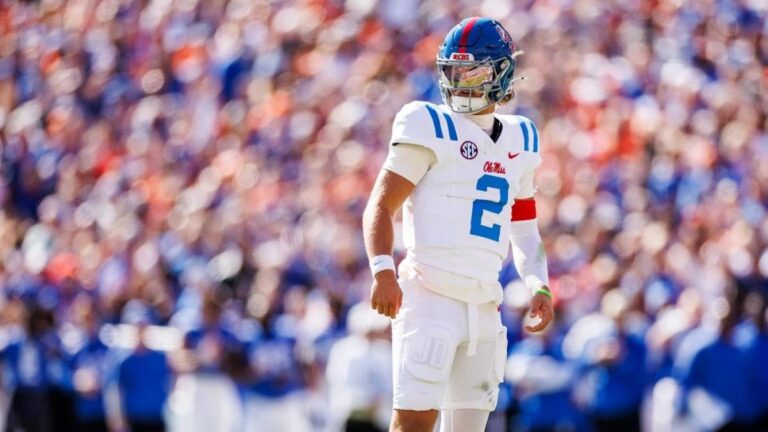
x,y
537,328
546,317
541,325
394,304
381,309
535,306
391,311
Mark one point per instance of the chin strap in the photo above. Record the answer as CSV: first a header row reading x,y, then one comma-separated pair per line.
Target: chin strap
x,y
458,103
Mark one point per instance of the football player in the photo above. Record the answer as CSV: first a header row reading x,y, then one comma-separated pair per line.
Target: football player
x,y
464,177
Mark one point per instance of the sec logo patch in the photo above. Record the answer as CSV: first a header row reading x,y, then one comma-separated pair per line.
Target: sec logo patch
x,y
468,150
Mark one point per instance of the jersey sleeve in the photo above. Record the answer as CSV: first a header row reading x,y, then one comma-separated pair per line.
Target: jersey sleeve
x,y
531,155
414,125
527,248
527,143
531,143
527,187
409,161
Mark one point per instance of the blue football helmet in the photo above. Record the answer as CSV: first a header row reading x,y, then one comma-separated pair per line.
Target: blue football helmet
x,y
476,65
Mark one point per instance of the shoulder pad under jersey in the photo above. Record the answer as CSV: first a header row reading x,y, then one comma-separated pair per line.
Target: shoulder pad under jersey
x,y
525,138
424,124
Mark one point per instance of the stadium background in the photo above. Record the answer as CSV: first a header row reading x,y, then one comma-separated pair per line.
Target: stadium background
x,y
201,167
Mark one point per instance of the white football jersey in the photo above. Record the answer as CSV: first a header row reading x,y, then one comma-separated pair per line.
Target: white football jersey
x,y
458,217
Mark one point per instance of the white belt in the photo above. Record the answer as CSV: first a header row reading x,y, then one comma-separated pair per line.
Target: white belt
x,y
473,324
452,285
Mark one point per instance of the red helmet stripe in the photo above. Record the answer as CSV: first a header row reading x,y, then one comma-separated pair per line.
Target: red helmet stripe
x,y
465,34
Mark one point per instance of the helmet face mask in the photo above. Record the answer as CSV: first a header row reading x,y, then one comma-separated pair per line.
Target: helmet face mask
x,y
476,65
472,86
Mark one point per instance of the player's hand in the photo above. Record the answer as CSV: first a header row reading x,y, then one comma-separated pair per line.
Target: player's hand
x,y
541,306
386,295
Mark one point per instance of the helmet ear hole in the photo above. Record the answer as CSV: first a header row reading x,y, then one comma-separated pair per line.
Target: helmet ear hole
x,y
507,98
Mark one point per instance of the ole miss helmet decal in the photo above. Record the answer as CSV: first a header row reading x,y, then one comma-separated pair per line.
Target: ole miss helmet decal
x,y
506,37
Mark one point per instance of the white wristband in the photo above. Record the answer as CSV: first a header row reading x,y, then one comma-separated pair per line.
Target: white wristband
x,y
381,262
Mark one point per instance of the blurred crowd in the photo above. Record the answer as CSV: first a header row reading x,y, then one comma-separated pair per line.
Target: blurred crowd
x,y
182,182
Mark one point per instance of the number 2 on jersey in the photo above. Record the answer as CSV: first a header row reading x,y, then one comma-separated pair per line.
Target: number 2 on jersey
x,y
479,206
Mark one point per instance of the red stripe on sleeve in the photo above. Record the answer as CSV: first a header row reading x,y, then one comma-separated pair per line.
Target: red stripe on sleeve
x,y
524,209
465,34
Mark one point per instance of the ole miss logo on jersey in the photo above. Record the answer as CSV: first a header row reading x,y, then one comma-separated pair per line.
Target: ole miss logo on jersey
x,y
468,150
494,167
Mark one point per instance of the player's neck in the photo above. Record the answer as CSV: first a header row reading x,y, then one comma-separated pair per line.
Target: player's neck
x,y
490,110
484,118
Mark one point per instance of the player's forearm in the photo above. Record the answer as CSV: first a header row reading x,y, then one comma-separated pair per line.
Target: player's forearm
x,y
388,195
528,254
378,230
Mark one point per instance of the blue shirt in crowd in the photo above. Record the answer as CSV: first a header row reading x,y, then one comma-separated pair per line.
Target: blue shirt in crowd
x,y
144,378
718,366
36,363
551,408
278,370
25,363
91,356
617,388
757,350
754,343
224,342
